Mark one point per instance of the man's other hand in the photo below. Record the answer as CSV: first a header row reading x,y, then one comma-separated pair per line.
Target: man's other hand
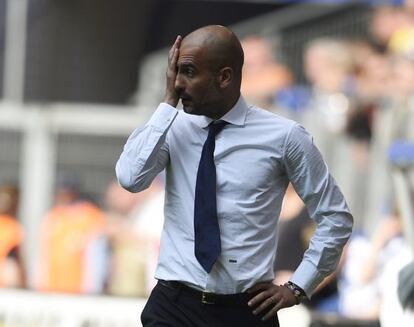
x,y
270,299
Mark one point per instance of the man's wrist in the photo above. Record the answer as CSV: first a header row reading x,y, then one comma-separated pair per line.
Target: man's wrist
x,y
171,100
298,292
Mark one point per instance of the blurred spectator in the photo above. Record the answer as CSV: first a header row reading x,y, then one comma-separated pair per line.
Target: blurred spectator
x,y
263,75
391,311
73,250
409,5
382,248
395,119
11,237
127,258
368,283
371,77
329,67
385,20
388,20
371,71
358,299
134,229
402,69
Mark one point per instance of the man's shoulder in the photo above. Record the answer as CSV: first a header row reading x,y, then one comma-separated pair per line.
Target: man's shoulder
x,y
266,117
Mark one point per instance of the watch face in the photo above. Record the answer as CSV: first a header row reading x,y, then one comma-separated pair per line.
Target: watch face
x,y
297,292
299,295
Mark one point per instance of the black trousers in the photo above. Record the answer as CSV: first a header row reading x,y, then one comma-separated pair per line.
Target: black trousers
x,y
172,307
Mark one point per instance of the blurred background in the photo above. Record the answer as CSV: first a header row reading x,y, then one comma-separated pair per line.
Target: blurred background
x,y
76,77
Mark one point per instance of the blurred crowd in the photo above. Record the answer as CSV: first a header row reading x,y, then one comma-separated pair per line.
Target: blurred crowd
x,y
357,102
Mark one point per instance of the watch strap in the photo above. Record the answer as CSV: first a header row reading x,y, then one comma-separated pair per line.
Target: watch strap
x,y
296,290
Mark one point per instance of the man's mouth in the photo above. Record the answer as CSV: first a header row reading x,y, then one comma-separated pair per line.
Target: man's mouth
x,y
185,101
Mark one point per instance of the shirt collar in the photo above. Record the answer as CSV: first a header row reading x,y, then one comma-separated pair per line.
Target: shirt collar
x,y
235,116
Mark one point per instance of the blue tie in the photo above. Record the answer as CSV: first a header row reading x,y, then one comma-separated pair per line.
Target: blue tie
x,y
207,246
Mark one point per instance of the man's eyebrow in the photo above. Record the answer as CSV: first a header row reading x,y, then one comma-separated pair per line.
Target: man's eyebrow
x,y
186,64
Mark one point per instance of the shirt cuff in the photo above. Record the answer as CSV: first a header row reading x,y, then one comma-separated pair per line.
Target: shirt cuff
x,y
163,116
307,277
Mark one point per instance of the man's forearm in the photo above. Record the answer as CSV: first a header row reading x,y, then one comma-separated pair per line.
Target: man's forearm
x,y
146,153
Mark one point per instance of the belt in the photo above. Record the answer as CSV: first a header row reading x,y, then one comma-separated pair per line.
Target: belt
x,y
207,297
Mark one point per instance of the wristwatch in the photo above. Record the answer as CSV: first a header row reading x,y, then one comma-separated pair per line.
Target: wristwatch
x,y
296,290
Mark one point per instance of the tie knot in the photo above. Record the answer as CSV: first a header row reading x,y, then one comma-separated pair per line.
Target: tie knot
x,y
215,128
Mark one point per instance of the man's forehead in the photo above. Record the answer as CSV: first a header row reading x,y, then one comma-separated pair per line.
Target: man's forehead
x,y
191,54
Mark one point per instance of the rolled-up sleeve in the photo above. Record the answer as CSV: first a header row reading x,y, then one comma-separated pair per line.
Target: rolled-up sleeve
x,y
326,205
145,153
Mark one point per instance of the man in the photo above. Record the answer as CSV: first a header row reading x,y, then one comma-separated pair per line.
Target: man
x,y
227,168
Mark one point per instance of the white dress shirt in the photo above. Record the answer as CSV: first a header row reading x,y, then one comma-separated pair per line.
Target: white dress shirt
x,y
256,156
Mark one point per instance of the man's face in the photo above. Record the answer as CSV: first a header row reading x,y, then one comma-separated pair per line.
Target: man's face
x,y
196,83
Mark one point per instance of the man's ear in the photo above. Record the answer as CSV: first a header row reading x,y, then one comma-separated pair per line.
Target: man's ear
x,y
225,77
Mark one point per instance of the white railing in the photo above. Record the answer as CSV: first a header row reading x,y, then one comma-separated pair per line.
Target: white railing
x,y
40,127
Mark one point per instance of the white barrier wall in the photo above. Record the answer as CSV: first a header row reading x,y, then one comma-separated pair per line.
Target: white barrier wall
x,y
30,309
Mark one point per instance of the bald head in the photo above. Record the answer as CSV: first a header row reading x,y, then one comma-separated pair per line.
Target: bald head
x,y
208,68
222,47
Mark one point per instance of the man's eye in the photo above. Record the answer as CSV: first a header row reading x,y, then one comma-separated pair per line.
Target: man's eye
x,y
190,72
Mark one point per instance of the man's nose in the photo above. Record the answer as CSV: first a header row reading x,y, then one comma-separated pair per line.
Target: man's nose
x,y
179,84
